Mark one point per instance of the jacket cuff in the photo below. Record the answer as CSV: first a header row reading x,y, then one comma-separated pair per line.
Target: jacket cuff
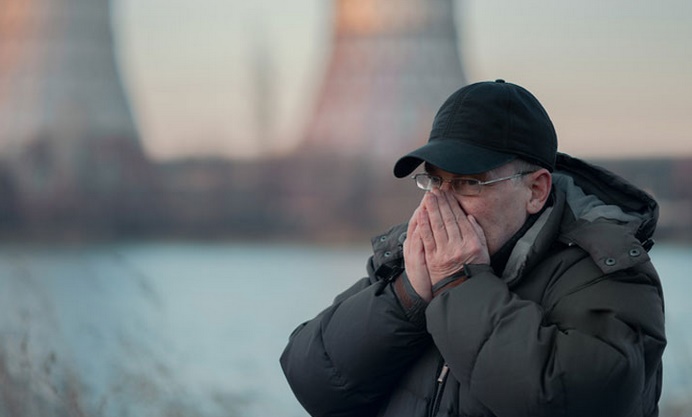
x,y
414,306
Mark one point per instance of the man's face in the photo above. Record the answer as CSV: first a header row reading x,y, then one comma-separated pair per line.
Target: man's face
x,y
500,208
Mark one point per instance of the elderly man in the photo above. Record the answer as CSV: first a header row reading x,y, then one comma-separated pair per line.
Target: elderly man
x,y
521,286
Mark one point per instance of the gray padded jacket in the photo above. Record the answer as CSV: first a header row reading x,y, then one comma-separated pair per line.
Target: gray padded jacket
x,y
573,326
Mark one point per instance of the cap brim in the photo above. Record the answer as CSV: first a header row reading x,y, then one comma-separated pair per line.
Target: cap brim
x,y
452,156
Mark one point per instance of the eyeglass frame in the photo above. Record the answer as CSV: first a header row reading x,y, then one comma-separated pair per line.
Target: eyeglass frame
x,y
477,184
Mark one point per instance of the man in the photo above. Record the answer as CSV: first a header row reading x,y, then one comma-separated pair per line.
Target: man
x,y
521,286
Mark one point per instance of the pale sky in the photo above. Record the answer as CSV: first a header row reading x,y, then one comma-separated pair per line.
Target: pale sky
x,y
615,75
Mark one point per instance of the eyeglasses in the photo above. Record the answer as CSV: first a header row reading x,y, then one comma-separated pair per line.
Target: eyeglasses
x,y
461,186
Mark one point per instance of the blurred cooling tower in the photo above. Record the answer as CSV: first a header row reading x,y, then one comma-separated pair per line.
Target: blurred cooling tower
x,y
69,147
393,63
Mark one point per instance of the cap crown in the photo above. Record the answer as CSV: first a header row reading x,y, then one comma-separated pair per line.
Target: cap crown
x,y
498,116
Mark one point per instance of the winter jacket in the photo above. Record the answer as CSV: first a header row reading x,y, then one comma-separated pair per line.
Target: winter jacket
x,y
573,325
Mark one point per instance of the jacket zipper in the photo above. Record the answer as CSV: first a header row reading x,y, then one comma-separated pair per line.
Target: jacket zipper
x,y
439,388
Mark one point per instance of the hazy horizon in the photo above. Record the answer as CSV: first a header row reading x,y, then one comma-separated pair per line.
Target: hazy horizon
x,y
614,76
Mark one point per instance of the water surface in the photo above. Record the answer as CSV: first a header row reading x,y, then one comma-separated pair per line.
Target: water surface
x,y
159,328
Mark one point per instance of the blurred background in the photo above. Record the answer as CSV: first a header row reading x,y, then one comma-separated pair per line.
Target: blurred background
x,y
182,183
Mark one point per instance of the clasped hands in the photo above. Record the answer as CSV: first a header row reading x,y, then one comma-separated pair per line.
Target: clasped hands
x,y
441,239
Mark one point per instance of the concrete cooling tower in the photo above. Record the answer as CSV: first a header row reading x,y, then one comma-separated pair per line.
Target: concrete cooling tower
x,y
68,143
392,65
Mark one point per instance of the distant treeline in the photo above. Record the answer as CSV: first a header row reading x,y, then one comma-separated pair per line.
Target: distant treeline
x,y
303,196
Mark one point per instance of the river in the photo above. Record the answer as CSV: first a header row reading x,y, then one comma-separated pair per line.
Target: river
x,y
189,328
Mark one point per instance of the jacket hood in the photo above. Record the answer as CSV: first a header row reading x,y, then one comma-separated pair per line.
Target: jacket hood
x,y
594,193
595,209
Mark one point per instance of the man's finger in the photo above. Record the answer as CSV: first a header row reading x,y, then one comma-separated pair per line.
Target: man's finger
x,y
426,231
452,213
465,228
479,230
413,222
437,223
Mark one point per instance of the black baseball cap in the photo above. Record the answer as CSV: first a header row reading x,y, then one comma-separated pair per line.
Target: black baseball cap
x,y
485,125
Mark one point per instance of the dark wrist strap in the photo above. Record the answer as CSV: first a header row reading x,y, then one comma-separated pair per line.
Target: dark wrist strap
x,y
471,270
449,282
467,272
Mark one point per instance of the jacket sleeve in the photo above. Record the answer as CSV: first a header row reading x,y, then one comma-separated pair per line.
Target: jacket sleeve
x,y
342,362
590,352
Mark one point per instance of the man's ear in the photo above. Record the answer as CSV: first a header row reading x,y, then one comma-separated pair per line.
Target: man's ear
x,y
540,183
